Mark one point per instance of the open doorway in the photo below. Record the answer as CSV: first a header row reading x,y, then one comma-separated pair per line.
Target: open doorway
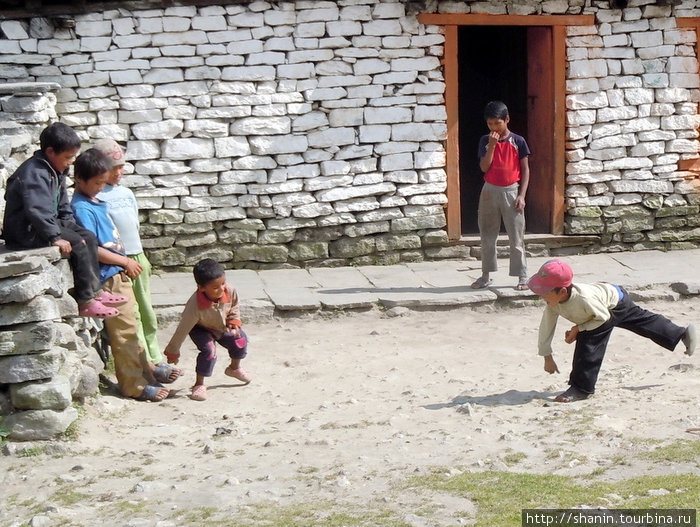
x,y
492,66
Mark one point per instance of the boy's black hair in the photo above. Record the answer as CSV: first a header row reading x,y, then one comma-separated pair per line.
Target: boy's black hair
x,y
207,270
60,137
495,110
90,164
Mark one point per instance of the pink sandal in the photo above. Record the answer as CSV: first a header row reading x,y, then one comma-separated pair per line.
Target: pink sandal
x,y
238,373
96,309
108,299
199,393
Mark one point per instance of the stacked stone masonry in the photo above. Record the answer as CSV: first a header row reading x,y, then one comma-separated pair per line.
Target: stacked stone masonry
x,y
47,354
313,132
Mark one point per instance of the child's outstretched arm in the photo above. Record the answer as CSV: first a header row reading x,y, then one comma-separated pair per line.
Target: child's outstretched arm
x,y
188,320
549,365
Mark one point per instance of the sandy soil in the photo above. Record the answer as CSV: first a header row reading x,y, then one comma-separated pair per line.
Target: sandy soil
x,y
346,409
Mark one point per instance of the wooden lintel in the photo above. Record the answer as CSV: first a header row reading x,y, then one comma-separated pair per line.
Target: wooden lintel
x,y
464,19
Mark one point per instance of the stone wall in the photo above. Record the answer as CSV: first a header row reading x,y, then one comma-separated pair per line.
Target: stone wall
x,y
313,132
47,358
632,115
26,108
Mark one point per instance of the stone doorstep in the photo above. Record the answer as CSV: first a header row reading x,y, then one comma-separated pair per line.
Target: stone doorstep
x,y
551,241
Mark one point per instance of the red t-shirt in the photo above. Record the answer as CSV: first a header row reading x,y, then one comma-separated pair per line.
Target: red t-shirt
x,y
505,167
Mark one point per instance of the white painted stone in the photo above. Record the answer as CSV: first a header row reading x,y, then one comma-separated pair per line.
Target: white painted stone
x,y
582,85
387,115
584,167
648,186
133,41
421,64
248,73
680,122
419,132
139,150
683,146
346,117
140,116
93,28
588,68
120,78
261,126
309,121
271,145
188,148
434,159
613,141
340,194
207,128
331,137
628,163
14,29
160,130
295,71
658,52
684,80
381,28
325,94
647,148
231,147
586,101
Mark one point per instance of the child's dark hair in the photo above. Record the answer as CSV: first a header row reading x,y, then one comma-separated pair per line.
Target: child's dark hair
x,y
495,110
90,164
568,289
207,270
60,137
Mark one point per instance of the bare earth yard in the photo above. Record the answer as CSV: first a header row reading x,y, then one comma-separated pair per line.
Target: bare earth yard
x,y
346,414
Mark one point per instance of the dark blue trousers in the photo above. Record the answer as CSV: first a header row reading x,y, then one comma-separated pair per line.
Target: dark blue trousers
x,y
591,345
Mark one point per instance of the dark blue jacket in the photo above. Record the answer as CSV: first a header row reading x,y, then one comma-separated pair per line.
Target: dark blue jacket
x,y
36,199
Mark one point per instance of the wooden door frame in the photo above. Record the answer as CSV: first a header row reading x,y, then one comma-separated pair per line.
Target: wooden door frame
x,y
691,165
451,23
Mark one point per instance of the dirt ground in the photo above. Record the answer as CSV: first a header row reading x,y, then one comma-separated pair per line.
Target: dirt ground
x,y
342,411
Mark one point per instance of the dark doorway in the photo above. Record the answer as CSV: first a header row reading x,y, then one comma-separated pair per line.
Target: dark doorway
x,y
492,66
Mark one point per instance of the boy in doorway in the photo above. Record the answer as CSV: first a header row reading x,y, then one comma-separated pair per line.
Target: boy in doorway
x,y
503,157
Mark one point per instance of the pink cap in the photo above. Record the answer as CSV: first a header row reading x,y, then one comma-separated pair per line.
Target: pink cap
x,y
553,273
112,150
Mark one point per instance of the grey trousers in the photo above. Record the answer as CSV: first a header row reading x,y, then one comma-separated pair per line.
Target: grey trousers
x,y
496,203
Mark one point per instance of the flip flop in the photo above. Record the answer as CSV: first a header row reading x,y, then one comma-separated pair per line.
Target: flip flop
x,y
96,309
164,373
109,299
522,284
482,283
571,395
150,393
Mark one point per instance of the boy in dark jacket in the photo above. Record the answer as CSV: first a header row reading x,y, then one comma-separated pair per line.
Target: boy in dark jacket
x,y
38,214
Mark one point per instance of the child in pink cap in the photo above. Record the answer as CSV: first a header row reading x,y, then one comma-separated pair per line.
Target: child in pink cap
x,y
595,309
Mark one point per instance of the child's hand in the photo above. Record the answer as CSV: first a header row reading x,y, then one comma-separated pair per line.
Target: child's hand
x,y
493,138
549,365
172,358
570,336
64,246
132,268
519,203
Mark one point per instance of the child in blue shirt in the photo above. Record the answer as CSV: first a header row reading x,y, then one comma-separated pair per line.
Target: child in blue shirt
x,y
134,373
124,212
